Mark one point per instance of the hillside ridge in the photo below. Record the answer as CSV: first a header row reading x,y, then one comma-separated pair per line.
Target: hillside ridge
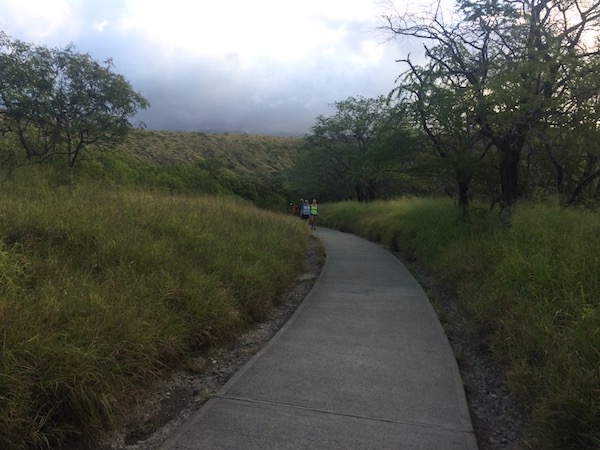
x,y
241,153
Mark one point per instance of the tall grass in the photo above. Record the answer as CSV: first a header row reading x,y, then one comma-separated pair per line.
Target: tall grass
x,y
102,290
531,292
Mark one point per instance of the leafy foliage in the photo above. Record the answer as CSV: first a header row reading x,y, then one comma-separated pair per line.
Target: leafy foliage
x,y
520,74
363,151
60,103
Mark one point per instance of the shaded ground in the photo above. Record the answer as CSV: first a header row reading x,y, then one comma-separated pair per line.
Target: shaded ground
x,y
495,414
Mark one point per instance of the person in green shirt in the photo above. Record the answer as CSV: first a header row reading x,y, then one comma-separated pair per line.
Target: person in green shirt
x,y
314,212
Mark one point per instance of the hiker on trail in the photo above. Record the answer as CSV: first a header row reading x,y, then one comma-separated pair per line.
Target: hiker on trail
x,y
314,212
305,210
300,205
292,209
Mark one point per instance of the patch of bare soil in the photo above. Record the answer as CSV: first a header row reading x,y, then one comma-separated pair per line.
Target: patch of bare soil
x,y
496,415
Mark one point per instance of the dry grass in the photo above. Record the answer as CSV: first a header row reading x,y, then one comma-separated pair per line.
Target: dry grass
x,y
241,153
102,289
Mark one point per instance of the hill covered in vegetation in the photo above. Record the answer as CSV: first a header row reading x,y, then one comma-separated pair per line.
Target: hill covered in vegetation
x,y
241,153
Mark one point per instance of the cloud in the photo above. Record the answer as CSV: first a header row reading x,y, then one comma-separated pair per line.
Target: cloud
x,y
265,66
41,19
99,25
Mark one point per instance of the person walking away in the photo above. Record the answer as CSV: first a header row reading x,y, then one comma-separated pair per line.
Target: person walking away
x,y
305,210
314,212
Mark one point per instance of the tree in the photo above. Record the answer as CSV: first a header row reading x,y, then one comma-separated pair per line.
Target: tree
x,y
448,120
345,148
523,62
60,102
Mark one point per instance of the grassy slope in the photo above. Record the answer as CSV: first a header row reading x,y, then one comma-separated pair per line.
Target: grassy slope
x,y
240,153
531,292
101,290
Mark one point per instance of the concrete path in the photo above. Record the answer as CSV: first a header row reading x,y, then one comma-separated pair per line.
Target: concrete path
x,y
363,364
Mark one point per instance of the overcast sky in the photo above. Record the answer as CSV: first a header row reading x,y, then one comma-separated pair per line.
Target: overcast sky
x,y
255,66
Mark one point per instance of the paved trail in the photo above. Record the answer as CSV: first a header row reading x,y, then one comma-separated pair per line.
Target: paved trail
x,y
363,364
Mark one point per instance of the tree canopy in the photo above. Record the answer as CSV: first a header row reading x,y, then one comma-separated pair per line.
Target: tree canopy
x,y
356,152
519,74
60,102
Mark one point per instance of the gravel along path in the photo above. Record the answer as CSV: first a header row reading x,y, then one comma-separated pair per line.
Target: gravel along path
x,y
496,417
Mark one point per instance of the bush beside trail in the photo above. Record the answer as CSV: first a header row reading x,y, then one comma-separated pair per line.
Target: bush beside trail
x,y
104,290
531,293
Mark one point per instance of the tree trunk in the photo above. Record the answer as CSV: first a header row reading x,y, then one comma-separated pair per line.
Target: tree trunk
x,y
464,181
510,147
558,167
586,182
360,192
